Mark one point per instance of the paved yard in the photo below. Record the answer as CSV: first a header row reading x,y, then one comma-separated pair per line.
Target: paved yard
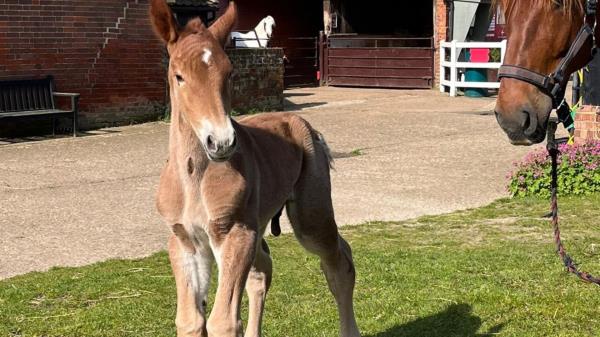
x,y
76,201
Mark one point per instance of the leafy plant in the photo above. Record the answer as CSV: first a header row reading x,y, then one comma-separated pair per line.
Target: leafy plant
x,y
578,171
495,55
165,115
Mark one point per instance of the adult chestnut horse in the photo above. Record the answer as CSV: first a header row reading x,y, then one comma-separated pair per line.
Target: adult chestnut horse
x,y
225,180
546,43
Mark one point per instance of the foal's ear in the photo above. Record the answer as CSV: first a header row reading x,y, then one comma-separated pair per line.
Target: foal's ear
x,y
222,28
163,21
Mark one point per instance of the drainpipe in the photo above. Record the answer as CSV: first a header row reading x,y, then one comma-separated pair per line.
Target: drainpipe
x,y
450,13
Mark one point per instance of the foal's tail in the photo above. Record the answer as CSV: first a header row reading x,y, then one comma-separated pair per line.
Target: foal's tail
x,y
316,147
323,143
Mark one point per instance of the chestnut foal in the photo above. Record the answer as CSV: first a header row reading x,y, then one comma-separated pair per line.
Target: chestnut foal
x,y
225,180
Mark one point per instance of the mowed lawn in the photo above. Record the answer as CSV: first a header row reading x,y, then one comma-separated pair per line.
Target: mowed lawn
x,y
484,272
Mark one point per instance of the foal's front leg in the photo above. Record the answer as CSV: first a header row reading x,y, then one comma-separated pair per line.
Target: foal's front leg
x,y
191,268
234,253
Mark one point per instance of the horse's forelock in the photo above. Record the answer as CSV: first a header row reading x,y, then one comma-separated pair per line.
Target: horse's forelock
x,y
194,26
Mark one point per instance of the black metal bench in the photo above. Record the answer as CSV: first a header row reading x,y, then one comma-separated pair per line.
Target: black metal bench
x,y
35,97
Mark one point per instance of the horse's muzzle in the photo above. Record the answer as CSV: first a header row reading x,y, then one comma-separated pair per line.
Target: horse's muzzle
x,y
524,129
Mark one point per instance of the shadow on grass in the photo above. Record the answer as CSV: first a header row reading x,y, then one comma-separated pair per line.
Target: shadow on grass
x,y
456,321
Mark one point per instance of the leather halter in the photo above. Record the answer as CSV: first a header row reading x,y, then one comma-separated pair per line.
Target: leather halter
x,y
552,85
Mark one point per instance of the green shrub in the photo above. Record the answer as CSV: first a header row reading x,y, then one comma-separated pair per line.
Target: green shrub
x,y
578,172
495,55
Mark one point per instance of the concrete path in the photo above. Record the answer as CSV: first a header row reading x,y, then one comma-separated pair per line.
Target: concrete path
x,y
72,202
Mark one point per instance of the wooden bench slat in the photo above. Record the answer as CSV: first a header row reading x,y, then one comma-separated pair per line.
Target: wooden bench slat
x,y
34,97
26,95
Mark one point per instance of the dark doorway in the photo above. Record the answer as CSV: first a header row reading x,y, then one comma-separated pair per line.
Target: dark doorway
x,y
385,44
388,17
298,24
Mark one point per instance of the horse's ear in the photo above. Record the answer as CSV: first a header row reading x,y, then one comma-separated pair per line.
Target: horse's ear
x,y
222,28
163,21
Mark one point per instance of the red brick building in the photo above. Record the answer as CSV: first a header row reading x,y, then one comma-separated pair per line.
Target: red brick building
x,y
103,49
441,18
106,50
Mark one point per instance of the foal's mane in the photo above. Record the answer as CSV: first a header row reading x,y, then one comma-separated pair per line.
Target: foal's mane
x,y
568,6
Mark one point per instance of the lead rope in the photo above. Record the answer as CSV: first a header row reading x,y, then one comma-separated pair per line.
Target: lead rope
x,y
568,262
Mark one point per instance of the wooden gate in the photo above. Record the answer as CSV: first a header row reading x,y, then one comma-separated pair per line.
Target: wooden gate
x,y
386,62
301,60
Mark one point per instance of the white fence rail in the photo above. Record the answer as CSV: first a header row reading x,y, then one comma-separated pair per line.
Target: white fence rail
x,y
452,65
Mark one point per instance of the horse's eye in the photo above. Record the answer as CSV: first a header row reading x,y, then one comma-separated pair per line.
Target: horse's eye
x,y
179,79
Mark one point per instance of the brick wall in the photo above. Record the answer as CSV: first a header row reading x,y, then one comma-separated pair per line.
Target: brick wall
x,y
257,79
103,49
587,123
441,27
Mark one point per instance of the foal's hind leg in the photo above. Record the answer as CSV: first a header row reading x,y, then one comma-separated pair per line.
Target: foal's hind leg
x,y
257,286
310,211
315,228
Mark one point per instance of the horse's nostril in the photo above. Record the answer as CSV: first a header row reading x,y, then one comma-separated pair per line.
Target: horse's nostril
x,y
526,121
211,145
530,124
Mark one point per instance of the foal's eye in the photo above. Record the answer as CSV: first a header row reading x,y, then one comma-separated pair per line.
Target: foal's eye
x,y
179,79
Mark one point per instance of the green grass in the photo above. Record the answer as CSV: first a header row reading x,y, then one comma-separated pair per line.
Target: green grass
x,y
356,152
483,272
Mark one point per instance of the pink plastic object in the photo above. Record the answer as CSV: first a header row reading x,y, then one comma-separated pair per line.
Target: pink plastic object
x,y
480,55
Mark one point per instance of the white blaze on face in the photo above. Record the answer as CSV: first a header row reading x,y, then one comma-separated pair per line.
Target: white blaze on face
x,y
206,56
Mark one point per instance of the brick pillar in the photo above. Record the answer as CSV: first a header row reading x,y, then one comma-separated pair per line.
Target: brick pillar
x,y
441,27
587,123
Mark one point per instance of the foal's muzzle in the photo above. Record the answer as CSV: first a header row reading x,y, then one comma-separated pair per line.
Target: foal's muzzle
x,y
220,149
219,142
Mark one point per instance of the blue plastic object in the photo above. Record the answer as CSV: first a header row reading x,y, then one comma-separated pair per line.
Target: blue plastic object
x,y
475,75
